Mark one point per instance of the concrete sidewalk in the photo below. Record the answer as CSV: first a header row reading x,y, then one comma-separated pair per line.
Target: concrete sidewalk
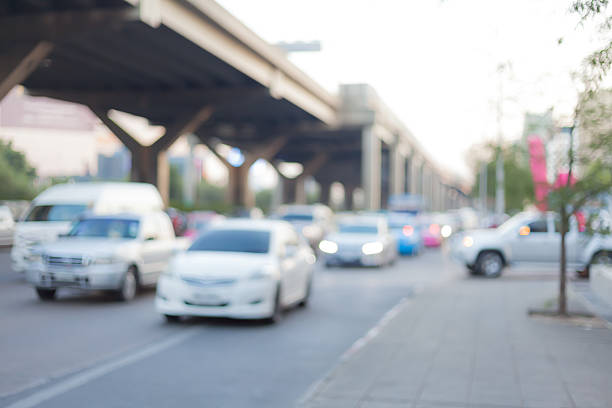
x,y
471,344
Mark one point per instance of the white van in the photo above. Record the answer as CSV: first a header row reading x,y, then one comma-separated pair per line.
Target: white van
x,y
52,212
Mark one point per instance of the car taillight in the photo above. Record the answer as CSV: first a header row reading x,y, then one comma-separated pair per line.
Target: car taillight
x,y
408,230
434,229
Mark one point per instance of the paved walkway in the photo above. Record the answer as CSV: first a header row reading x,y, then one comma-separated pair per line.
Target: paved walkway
x,y
471,344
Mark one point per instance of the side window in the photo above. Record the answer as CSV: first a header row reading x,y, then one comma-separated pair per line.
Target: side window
x,y
538,226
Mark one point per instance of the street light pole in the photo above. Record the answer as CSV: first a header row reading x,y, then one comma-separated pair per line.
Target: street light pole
x,y
500,199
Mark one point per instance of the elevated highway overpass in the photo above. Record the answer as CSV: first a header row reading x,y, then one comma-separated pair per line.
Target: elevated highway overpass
x,y
190,66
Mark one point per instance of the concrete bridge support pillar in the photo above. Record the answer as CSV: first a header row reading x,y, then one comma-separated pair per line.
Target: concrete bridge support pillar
x,y
324,193
371,168
238,192
21,62
149,163
397,171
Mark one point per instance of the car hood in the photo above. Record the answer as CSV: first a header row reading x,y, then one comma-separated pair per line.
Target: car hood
x,y
90,247
348,239
208,264
34,232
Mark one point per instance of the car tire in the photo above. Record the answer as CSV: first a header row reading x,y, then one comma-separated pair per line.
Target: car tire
x,y
46,294
277,312
304,301
171,319
489,264
129,286
600,258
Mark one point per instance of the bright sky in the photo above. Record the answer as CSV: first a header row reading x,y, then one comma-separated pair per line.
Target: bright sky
x,y
434,62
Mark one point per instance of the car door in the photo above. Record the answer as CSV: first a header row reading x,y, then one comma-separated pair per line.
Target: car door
x,y
287,267
153,252
534,242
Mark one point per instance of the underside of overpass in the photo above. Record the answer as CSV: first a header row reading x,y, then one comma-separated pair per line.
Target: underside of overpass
x,y
191,67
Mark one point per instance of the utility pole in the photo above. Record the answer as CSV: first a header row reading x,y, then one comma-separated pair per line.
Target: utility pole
x,y
483,191
500,199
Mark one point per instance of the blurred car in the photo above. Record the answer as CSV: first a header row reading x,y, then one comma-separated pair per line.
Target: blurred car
x,y
531,238
179,220
250,269
107,252
407,233
7,226
364,240
431,231
312,221
52,212
198,221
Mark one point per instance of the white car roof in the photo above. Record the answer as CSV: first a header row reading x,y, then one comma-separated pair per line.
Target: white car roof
x,y
90,192
251,224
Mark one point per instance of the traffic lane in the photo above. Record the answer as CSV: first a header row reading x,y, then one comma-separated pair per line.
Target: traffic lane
x,y
44,340
236,363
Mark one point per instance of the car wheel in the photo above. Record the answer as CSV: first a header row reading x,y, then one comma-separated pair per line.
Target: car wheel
x,y
46,294
172,319
129,287
490,264
277,312
600,258
304,302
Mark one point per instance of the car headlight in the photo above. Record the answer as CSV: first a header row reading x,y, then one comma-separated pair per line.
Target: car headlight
x,y
34,258
266,272
468,241
329,247
372,248
446,231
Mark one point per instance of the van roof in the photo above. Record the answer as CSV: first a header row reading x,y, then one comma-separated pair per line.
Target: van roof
x,y
91,192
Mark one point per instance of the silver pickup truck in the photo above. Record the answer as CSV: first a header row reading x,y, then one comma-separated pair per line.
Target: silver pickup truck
x,y
529,238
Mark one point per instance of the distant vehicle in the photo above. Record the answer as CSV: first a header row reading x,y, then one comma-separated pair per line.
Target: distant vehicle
x,y
52,212
531,238
407,231
248,269
431,231
364,240
106,252
179,220
312,221
198,221
407,203
7,226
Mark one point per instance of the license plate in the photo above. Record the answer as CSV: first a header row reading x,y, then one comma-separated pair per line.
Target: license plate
x,y
64,276
205,298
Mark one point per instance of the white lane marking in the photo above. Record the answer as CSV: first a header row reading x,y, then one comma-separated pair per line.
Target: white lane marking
x,y
354,348
93,373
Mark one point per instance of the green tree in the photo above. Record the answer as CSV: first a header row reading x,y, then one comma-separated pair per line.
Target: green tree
x,y
518,183
591,118
263,200
16,175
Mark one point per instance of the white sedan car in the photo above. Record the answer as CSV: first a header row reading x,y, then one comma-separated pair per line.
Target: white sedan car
x,y
364,240
240,268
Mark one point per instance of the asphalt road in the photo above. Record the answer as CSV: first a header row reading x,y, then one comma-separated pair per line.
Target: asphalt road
x,y
89,349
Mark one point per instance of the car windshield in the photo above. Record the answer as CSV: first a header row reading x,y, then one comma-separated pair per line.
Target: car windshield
x,y
358,229
105,228
57,212
513,223
297,217
230,240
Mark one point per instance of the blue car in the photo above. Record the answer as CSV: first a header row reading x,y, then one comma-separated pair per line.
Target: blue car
x,y
407,232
